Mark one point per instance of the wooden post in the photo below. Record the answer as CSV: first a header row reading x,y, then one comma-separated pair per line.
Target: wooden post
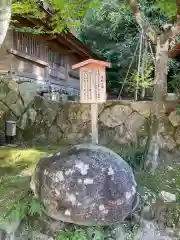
x,y
94,122
92,89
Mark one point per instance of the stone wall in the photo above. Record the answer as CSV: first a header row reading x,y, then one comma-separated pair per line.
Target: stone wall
x,y
120,122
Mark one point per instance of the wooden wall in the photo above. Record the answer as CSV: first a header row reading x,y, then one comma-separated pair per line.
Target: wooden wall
x,y
72,59
37,58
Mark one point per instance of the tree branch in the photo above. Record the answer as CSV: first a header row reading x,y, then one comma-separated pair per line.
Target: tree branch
x,y
142,21
170,34
174,31
146,26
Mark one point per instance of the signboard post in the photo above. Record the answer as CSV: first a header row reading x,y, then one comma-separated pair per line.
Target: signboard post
x,y
93,88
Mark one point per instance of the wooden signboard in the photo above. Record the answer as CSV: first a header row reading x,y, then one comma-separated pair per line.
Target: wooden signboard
x,y
92,85
93,88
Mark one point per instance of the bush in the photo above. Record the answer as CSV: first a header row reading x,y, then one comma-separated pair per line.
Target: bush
x,y
134,157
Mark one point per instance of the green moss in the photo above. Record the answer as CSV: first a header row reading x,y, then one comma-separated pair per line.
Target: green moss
x,y
16,164
14,161
77,233
162,180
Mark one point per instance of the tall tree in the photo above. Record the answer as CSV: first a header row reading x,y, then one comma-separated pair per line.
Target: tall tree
x,y
162,42
112,33
5,16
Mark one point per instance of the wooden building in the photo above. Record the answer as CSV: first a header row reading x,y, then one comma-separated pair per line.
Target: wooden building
x,y
43,61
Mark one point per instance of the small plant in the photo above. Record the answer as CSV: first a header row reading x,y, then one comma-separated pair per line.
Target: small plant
x,y
27,207
78,234
93,233
134,157
96,233
141,82
130,232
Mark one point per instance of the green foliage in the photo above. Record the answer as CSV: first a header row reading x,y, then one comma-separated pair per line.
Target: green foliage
x,y
173,76
174,83
130,231
27,207
167,6
133,156
33,30
93,233
25,7
144,79
67,13
72,235
178,110
112,33
178,185
96,233
108,28
35,207
163,180
19,179
125,232
174,215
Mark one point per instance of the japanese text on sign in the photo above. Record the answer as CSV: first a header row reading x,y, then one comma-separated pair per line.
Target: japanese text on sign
x,y
92,86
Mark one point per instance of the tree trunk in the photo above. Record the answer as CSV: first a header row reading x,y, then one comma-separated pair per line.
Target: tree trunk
x,y
158,108
160,84
5,17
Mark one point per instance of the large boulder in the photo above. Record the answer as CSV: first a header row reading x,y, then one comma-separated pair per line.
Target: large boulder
x,y
87,185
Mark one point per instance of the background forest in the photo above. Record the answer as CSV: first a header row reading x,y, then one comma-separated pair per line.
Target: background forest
x,y
113,34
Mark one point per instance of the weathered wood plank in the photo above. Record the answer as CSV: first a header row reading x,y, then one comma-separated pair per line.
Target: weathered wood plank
x,y
28,57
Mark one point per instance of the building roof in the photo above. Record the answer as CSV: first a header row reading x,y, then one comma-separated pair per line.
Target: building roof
x,y
75,44
91,61
66,38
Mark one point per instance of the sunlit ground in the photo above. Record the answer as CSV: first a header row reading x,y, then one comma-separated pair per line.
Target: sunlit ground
x,y
16,165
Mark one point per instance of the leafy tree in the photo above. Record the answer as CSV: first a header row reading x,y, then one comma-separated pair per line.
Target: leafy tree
x,y
145,80
113,34
167,6
163,42
64,14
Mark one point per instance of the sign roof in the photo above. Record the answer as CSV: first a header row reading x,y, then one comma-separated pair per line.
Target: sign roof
x,y
91,61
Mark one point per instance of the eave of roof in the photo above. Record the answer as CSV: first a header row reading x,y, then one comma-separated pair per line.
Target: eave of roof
x,y
68,36
70,40
65,38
